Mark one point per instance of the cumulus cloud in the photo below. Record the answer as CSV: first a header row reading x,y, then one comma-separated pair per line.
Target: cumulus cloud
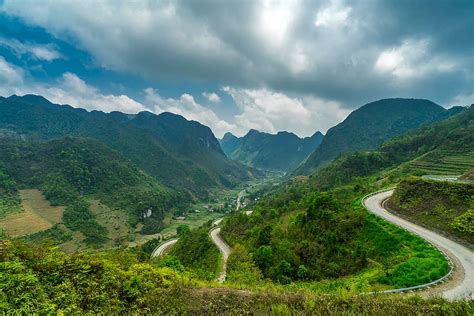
x,y
272,111
9,73
46,52
190,109
68,89
74,91
333,15
211,96
411,60
326,49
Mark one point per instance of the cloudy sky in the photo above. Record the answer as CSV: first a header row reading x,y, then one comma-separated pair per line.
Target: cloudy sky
x,y
289,65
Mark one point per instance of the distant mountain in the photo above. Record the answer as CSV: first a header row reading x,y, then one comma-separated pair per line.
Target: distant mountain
x,y
181,154
442,148
372,124
283,151
229,143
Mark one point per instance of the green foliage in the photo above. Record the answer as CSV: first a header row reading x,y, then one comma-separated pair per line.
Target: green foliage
x,y
465,222
452,136
442,205
241,269
77,216
67,170
185,154
43,280
56,234
182,230
307,239
9,199
370,125
196,251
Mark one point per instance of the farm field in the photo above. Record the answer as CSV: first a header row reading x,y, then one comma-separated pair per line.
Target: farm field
x,y
450,164
37,215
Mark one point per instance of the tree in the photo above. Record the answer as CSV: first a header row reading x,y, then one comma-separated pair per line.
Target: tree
x,y
182,230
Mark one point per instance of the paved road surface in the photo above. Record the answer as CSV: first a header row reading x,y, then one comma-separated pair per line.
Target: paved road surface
x,y
162,248
224,249
464,289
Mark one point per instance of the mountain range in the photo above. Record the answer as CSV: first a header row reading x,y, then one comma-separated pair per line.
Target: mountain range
x,y
181,154
281,152
372,124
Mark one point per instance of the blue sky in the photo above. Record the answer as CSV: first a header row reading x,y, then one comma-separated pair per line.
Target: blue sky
x,y
300,66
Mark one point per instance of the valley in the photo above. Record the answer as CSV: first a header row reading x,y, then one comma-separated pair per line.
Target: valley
x,y
281,230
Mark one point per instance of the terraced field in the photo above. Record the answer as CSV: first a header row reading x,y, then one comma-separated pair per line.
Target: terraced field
x,y
449,164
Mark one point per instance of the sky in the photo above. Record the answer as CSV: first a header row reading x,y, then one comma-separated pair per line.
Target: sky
x,y
299,66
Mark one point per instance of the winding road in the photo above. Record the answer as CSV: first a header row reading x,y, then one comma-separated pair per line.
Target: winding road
x,y
224,249
160,250
458,253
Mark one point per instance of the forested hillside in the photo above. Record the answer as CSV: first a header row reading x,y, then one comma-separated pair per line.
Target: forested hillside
x,y
371,125
428,147
182,154
275,152
71,171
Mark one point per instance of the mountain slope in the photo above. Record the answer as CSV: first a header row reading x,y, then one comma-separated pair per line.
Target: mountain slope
x,y
422,151
275,152
72,171
370,125
155,152
229,143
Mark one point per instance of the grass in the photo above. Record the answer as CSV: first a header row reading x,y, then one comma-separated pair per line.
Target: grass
x,y
9,204
194,220
38,215
449,163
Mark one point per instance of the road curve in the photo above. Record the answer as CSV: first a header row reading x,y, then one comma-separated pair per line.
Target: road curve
x,y
224,249
162,248
464,256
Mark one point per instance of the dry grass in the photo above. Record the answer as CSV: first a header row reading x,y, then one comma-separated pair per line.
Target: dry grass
x,y
37,215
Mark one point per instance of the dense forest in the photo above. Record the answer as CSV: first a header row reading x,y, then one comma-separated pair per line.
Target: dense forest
x,y
71,170
431,142
179,153
370,125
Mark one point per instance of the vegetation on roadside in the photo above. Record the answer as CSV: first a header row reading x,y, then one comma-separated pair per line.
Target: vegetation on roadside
x,y
445,206
41,280
196,251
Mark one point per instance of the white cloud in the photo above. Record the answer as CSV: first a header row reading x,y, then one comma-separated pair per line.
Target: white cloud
x,y
333,15
42,52
411,60
9,73
190,109
69,89
462,100
74,91
271,111
211,96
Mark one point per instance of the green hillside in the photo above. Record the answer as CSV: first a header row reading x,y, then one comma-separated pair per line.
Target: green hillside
x,y
73,171
447,207
274,152
443,147
135,137
372,124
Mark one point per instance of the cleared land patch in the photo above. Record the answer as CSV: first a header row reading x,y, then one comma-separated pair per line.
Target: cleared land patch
x,y
37,215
